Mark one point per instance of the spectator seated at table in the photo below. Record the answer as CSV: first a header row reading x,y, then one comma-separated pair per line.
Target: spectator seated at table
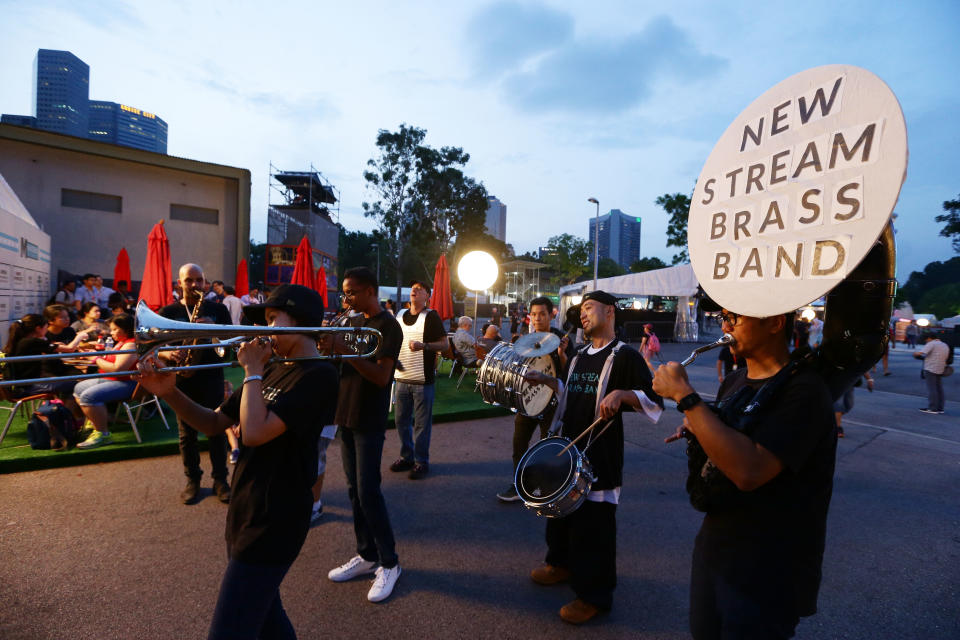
x,y
253,297
93,395
28,337
59,331
117,304
89,322
463,340
123,288
491,337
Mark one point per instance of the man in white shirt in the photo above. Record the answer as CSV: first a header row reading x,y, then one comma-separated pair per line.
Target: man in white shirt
x,y
103,297
934,354
464,341
253,297
232,303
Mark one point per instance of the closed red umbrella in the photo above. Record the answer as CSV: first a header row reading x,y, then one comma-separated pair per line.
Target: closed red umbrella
x,y
442,300
303,267
122,270
155,288
322,283
242,284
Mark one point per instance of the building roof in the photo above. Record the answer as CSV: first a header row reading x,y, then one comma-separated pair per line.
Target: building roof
x,y
130,154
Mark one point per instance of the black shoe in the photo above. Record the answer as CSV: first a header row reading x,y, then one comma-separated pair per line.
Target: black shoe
x,y
509,495
419,471
189,493
222,491
401,464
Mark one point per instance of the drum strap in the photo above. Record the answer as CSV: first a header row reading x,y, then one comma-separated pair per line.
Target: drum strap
x,y
557,424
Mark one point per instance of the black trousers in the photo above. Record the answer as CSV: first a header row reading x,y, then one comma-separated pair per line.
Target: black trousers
x,y
719,610
585,543
209,394
361,454
523,428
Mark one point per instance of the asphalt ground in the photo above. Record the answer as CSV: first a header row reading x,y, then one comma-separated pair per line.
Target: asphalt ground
x,y
107,550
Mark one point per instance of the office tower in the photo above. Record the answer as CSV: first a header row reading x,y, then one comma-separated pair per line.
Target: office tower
x,y
496,218
61,92
127,126
619,237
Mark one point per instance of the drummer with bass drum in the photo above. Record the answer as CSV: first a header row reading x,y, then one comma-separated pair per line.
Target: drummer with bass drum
x,y
605,378
541,311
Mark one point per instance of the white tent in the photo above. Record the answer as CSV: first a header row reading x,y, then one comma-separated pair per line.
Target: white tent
x,y
678,281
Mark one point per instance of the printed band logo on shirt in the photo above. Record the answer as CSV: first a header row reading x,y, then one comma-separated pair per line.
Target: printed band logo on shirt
x,y
270,394
584,382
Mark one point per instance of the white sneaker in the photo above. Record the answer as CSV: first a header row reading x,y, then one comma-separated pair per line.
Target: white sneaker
x,y
383,584
355,566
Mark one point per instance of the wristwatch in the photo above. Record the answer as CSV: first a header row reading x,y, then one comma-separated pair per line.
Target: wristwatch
x,y
689,402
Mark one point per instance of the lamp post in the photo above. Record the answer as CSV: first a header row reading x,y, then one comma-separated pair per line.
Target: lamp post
x,y
377,246
477,270
596,242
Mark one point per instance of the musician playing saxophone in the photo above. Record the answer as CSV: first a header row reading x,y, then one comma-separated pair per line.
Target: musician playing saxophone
x,y
761,468
203,387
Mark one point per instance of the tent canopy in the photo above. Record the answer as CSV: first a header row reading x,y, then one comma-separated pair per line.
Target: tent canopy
x,y
677,281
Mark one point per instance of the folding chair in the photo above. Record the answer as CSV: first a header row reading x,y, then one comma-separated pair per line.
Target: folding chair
x,y
27,404
475,365
138,400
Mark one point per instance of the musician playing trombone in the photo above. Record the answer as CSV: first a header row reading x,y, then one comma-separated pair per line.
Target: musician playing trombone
x,y
281,408
761,468
605,378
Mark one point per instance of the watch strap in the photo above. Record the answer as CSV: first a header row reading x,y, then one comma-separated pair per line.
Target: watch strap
x,y
689,401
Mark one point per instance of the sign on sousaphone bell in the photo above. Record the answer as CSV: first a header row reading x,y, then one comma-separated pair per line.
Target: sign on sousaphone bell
x,y
797,190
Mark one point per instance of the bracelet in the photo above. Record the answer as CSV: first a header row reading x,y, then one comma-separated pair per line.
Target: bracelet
x,y
251,378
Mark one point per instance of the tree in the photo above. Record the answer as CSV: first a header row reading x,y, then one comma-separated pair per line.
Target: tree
x,y
647,264
608,268
567,257
256,263
952,220
942,301
422,200
924,289
677,207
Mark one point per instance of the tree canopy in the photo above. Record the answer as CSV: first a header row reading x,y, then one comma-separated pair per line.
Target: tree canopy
x,y
951,220
935,289
647,264
677,206
567,257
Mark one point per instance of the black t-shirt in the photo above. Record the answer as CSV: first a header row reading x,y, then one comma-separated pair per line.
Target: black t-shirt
x,y
364,406
269,512
727,358
629,371
771,544
207,383
432,332
34,368
66,336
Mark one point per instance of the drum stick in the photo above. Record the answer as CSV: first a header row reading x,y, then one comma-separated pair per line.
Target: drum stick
x,y
585,432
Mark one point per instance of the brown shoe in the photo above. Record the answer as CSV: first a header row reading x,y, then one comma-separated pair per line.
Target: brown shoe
x,y
548,574
578,611
222,491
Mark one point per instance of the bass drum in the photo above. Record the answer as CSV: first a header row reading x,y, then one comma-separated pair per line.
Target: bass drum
x,y
551,483
501,381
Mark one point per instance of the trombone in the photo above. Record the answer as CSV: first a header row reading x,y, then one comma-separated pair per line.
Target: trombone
x,y
153,333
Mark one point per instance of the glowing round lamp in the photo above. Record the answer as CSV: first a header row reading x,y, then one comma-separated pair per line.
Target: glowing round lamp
x,y
576,299
923,322
808,314
477,270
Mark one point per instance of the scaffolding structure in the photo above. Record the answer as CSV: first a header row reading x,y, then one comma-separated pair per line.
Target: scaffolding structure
x,y
522,279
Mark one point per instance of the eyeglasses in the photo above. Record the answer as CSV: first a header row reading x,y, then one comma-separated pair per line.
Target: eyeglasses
x,y
729,318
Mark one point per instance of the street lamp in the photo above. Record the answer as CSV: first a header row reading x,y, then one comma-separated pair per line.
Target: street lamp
x,y
478,271
377,246
596,242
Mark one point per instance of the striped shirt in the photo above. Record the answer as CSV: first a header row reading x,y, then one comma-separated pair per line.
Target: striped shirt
x,y
935,355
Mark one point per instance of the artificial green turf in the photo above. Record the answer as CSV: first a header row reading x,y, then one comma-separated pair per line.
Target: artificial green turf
x,y
450,405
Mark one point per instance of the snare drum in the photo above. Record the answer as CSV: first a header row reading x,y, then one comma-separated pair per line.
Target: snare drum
x,y
553,485
501,381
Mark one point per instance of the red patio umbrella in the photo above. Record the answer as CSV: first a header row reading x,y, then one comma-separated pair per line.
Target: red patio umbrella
x,y
303,267
242,284
122,270
322,283
155,288
442,301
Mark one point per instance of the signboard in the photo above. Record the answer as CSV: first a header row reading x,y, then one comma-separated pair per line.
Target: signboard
x,y
797,190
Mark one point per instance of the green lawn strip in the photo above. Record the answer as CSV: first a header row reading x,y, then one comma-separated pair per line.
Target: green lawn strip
x,y
450,405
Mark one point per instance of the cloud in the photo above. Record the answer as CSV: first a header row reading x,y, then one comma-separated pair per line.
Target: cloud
x,y
505,34
610,77
294,108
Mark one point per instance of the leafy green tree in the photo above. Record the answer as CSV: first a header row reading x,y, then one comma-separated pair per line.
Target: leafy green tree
x,y
608,268
647,264
568,257
951,228
942,301
677,206
933,276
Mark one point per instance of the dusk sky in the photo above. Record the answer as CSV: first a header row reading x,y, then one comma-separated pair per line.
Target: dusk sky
x,y
555,102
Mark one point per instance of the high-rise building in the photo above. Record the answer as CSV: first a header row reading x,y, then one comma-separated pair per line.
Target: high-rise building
x,y
61,103
127,126
61,92
619,237
496,218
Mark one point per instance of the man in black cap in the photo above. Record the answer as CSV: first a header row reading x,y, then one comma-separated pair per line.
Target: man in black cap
x,y
204,387
605,378
281,408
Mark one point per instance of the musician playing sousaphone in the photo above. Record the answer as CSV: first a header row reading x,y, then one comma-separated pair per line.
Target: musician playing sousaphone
x,y
204,387
809,215
605,378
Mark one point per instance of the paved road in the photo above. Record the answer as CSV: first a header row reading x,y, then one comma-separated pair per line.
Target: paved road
x,y
106,551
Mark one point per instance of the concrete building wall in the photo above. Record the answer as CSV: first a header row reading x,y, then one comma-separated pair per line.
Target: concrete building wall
x,y
40,165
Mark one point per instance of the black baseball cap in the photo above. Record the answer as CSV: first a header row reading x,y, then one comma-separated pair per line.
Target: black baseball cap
x,y
600,296
301,303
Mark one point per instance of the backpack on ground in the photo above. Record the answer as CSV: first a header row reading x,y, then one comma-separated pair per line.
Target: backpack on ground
x,y
52,427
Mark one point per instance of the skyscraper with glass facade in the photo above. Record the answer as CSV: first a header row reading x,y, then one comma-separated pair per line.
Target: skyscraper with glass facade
x,y
619,237
61,92
128,126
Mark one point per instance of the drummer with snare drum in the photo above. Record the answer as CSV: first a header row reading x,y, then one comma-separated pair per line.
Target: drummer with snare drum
x,y
605,377
541,311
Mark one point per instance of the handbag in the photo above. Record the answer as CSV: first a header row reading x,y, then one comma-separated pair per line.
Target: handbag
x,y
947,371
